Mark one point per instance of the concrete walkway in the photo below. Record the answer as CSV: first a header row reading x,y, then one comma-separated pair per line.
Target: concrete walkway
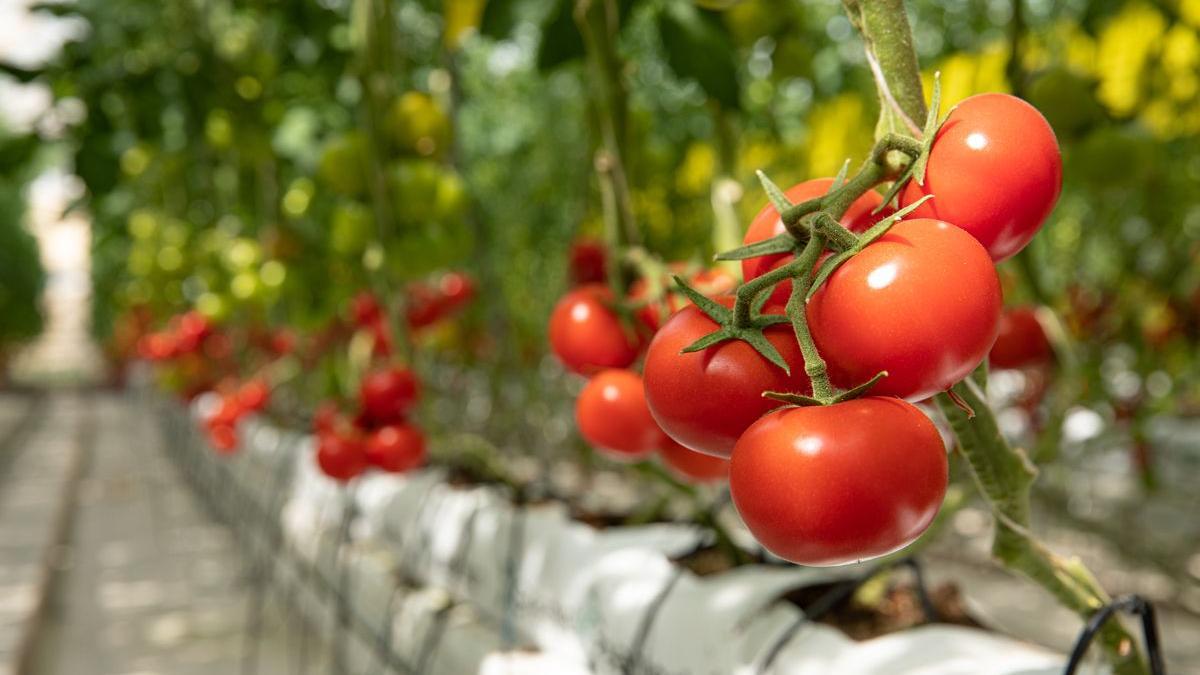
x,y
146,584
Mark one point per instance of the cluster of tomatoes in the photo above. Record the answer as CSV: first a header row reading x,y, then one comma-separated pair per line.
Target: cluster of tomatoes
x,y
854,477
381,433
590,337
221,426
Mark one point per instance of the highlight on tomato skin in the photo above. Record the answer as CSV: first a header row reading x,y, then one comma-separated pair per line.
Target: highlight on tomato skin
x,y
341,456
587,335
389,394
922,303
842,483
396,448
612,416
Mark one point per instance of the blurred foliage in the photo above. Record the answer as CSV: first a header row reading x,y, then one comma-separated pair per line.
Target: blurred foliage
x,y
232,153
21,275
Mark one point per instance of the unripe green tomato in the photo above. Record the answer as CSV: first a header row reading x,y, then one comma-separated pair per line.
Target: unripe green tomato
x,y
1066,99
451,196
351,228
343,164
414,184
418,125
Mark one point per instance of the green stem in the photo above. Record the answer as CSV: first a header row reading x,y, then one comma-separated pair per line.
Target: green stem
x,y
797,306
1004,475
747,292
889,46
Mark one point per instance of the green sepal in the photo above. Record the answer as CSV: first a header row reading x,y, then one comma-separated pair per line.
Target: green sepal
x,y
861,389
715,337
828,268
879,229
794,399
932,126
780,243
778,199
715,310
840,178
762,345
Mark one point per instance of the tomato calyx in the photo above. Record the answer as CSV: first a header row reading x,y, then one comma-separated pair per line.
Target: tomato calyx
x,y
840,397
746,324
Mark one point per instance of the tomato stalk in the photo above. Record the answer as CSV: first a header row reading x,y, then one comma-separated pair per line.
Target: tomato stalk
x,y
797,311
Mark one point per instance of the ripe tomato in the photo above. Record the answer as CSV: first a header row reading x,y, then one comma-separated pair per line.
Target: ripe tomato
x,y
458,288
705,400
341,456
588,259
767,224
224,438
710,282
159,346
829,485
1021,341
388,395
396,448
283,341
587,335
994,170
227,413
922,302
254,395
365,309
691,466
325,419
612,415
425,306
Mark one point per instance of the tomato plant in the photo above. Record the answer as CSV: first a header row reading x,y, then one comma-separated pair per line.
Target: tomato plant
x,y
835,484
710,282
704,400
1021,340
388,395
612,415
994,170
587,335
921,303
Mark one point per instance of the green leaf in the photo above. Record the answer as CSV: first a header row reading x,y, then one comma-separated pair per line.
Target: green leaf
x,y
698,47
499,18
780,243
794,399
778,199
879,229
561,40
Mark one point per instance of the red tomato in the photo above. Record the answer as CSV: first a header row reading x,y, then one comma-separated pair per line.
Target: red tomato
x,y
1021,341
227,413
710,282
283,341
194,324
587,335
994,170
705,400
612,415
829,485
922,302
224,438
254,395
158,347
458,288
767,224
425,306
341,456
396,448
388,395
692,466
365,309
325,418
588,260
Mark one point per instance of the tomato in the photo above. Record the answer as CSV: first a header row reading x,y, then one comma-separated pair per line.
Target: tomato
x,y
396,448
416,123
587,335
223,438
157,347
283,342
692,466
705,400
588,260
1021,341
351,228
343,163
922,302
425,306
341,456
457,288
612,415
994,170
227,413
710,282
767,224
254,395
389,395
365,309
829,485
326,417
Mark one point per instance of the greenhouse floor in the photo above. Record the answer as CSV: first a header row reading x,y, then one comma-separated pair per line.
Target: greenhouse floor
x,y
108,566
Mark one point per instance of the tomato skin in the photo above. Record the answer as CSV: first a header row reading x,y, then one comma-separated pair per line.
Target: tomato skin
x,y
365,310
396,448
705,400
587,335
1021,341
224,438
326,417
767,224
612,416
254,395
922,302
710,282
588,260
994,170
830,485
388,395
341,456
691,466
